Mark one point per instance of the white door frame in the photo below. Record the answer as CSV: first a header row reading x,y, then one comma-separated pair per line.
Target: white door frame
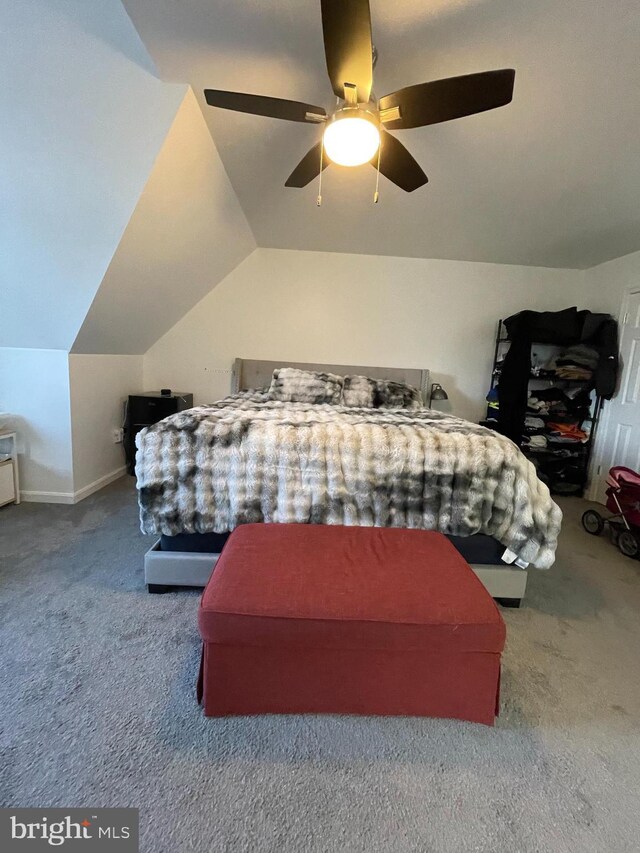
x,y
597,460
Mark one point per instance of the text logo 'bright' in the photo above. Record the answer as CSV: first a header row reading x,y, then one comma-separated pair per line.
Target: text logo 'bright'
x,y
114,830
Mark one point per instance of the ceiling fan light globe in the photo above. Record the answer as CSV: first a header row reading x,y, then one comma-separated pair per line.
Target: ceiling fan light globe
x,y
351,141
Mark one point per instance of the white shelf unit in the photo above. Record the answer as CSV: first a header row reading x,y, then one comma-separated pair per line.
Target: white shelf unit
x,y
9,475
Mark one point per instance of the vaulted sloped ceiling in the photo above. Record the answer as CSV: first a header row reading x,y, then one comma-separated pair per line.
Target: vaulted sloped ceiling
x,y
125,199
186,234
117,214
552,180
83,119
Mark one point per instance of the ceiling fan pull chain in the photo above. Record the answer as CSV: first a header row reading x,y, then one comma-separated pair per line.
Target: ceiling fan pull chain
x,y
376,194
319,199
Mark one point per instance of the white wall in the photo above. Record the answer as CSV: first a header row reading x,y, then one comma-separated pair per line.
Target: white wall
x,y
607,283
83,118
34,390
187,233
358,309
99,385
290,305
64,409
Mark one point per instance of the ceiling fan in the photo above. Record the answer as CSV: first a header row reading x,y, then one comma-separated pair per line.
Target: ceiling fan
x,y
357,131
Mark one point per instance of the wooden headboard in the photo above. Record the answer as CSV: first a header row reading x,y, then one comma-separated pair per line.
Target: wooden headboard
x,y
252,373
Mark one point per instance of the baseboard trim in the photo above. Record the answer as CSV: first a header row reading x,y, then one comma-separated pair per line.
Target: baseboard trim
x,y
47,497
98,484
77,496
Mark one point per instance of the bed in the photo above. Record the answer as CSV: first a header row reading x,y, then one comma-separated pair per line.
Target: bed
x,y
250,458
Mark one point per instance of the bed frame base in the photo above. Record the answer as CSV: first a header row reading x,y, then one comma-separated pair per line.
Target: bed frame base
x,y
159,588
164,570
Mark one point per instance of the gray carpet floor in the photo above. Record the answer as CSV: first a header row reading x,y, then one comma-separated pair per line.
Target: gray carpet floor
x,y
97,708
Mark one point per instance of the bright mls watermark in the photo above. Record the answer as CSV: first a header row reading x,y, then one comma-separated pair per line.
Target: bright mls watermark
x,y
114,830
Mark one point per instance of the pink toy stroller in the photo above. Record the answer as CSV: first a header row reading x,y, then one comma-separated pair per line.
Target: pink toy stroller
x,y
623,500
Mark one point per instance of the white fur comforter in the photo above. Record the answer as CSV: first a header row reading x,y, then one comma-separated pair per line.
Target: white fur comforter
x,y
250,459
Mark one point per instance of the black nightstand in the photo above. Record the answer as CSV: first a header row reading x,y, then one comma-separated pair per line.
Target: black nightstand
x,y
146,409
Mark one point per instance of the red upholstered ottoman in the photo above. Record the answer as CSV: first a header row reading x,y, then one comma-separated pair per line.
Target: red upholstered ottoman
x,y
304,618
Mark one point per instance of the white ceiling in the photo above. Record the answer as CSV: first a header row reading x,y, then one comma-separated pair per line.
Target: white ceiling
x,y
552,179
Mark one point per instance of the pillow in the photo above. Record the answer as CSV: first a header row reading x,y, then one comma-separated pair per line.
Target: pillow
x,y
396,395
379,393
358,391
290,385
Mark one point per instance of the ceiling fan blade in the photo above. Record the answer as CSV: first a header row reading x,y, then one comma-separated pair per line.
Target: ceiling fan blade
x,y
398,165
443,100
346,27
308,168
260,105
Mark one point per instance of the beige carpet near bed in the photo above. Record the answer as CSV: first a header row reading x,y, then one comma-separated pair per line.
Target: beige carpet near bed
x,y
97,708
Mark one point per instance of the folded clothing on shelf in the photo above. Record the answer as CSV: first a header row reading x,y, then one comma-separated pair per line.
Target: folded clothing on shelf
x,y
567,432
570,371
533,424
575,362
534,404
538,442
573,403
579,356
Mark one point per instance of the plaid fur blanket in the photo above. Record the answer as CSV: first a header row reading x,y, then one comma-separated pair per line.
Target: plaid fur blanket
x,y
251,459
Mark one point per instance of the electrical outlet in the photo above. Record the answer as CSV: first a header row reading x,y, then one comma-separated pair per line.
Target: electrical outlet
x,y
117,435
